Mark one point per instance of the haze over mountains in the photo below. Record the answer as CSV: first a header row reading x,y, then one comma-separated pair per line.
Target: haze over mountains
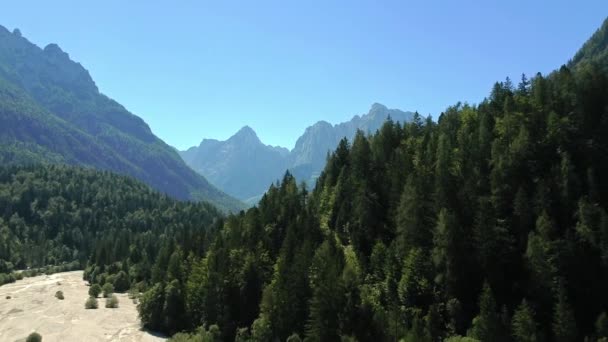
x,y
244,167
51,111
241,165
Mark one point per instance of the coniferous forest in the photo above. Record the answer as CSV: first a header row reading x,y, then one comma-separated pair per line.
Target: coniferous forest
x,y
487,224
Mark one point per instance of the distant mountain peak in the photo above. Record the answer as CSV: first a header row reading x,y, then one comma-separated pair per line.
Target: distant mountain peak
x,y
243,166
53,48
378,109
320,124
246,130
378,106
246,133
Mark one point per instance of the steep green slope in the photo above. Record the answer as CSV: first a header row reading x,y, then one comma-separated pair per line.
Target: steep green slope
x,y
52,111
491,222
58,214
595,50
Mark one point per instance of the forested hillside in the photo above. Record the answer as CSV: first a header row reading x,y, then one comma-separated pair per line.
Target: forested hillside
x,y
489,223
53,215
52,111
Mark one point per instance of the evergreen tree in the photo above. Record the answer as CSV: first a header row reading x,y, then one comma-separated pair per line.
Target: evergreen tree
x,y
564,323
486,326
524,328
327,293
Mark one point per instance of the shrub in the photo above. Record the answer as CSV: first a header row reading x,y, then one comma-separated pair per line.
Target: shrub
x,y
8,297
59,295
91,303
34,337
108,289
122,282
112,302
110,279
95,290
134,295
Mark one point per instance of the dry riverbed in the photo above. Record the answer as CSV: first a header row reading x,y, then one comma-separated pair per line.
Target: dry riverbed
x,y
33,307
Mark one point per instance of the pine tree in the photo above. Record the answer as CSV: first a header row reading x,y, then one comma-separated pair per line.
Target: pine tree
x,y
327,293
524,328
486,326
415,286
413,224
564,323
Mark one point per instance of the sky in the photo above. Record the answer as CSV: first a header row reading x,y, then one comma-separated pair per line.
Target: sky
x,y
203,69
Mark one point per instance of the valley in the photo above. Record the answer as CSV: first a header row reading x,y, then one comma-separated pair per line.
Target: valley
x,y
33,307
485,221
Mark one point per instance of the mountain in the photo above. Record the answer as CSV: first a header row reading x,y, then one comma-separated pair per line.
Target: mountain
x,y
52,111
244,167
595,50
311,149
489,224
59,213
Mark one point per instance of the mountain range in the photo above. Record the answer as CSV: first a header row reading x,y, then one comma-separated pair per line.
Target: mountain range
x,y
244,167
51,111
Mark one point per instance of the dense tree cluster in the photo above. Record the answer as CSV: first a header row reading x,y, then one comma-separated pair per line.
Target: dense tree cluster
x,y
489,224
60,215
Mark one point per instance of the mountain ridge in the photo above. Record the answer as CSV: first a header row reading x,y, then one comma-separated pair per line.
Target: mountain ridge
x,y
305,160
51,111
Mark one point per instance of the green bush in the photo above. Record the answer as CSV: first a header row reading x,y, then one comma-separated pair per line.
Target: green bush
x,y
110,279
107,289
59,295
134,295
122,282
112,302
95,290
34,337
91,303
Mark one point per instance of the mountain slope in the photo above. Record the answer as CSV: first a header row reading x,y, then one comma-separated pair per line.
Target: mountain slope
x,y
318,140
52,111
595,50
491,222
243,166
57,214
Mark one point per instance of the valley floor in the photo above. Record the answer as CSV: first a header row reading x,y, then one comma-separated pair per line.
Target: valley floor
x,y
33,307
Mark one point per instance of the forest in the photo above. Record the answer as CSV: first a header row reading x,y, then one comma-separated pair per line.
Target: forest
x,y
487,224
55,215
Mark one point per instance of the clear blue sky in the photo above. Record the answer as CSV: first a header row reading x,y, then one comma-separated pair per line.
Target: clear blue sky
x,y
196,69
